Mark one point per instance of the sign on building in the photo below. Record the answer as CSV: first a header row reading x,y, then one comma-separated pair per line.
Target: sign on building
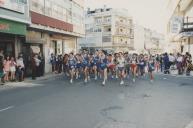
x,y
176,24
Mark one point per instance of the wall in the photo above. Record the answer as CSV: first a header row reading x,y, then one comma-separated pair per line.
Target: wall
x,y
16,16
139,38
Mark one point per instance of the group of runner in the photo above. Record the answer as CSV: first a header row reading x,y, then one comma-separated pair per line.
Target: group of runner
x,y
101,65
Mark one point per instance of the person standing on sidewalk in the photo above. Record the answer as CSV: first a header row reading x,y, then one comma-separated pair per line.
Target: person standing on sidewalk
x,y
41,66
180,64
2,74
151,67
7,63
166,63
33,65
20,68
53,62
13,68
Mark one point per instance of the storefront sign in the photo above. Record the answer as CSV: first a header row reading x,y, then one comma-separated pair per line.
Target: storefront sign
x,y
12,27
15,5
4,27
176,24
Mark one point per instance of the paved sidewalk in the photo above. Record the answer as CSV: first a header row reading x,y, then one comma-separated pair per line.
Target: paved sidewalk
x,y
28,82
175,73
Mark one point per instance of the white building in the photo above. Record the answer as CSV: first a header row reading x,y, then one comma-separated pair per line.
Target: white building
x,y
139,38
180,25
147,40
108,28
55,28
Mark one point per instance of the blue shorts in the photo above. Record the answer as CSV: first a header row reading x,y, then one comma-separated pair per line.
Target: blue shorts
x,y
79,65
121,68
103,66
72,67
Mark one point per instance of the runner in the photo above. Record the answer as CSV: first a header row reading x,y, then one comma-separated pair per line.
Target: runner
x,y
71,64
121,65
127,65
151,68
134,66
103,67
78,65
85,64
141,65
96,64
111,65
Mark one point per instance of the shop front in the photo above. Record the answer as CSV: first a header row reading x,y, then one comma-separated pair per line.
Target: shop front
x,y
12,35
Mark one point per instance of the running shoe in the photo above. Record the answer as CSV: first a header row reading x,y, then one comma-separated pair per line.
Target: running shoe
x,y
122,82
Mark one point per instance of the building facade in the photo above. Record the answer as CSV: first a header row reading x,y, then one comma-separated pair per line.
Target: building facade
x,y
148,41
14,19
108,28
55,28
180,25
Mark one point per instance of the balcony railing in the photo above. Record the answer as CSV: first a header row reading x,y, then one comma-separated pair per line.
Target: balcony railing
x,y
125,24
187,25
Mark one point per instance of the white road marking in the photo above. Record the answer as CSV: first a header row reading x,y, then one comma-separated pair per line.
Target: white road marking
x,y
10,107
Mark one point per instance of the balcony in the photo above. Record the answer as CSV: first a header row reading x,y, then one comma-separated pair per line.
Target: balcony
x,y
103,23
187,25
123,24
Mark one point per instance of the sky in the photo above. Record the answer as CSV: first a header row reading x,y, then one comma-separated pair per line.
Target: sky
x,y
148,13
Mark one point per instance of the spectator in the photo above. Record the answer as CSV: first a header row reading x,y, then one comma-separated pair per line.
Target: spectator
x,y
65,64
41,67
2,74
1,54
60,62
189,64
34,67
7,63
20,68
172,60
53,62
180,64
161,63
13,68
166,64
37,62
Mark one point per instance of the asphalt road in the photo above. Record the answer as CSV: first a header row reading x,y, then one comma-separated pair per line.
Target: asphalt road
x,y
166,103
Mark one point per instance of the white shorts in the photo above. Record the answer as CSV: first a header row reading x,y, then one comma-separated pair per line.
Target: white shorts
x,y
12,69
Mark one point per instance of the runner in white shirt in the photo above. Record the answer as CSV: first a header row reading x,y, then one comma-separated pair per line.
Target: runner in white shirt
x,y
121,67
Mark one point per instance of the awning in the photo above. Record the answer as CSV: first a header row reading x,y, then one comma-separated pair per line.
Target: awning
x,y
11,27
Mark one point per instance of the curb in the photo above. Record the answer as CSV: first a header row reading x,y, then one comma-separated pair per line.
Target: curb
x,y
46,77
27,81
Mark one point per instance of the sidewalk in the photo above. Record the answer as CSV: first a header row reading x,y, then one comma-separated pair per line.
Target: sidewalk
x,y
175,73
28,82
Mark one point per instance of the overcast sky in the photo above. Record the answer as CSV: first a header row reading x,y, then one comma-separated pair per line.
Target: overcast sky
x,y
148,13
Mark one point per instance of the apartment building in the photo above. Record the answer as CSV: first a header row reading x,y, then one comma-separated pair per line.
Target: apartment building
x,y
14,19
108,28
147,40
55,28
